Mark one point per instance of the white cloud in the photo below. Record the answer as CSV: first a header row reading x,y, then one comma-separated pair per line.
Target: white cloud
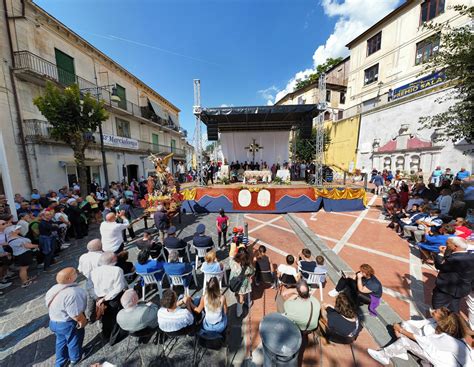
x,y
353,18
268,94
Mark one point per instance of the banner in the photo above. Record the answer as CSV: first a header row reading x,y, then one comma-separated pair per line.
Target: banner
x,y
418,85
120,142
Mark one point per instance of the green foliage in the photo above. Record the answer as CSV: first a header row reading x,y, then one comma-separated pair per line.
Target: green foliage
x,y
456,58
306,148
313,78
72,117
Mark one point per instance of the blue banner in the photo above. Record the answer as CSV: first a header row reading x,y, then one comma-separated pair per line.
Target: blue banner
x,y
418,85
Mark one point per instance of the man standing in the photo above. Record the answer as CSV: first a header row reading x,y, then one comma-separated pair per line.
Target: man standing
x,y
129,214
161,221
111,232
456,274
88,262
66,303
47,240
181,172
462,174
109,283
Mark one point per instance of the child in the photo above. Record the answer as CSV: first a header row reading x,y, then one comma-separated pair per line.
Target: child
x,y
211,265
320,267
238,240
287,273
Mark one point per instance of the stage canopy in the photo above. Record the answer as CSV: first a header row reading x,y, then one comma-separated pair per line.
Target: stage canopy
x,y
259,118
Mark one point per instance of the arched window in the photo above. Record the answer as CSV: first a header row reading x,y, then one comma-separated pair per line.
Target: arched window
x,y
387,163
400,163
415,163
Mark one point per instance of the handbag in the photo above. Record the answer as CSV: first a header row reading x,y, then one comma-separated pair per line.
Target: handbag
x,y
100,307
236,283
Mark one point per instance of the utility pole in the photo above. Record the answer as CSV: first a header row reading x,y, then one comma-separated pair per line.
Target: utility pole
x,y
197,130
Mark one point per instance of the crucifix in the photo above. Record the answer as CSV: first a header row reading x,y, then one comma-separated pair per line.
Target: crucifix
x,y
253,148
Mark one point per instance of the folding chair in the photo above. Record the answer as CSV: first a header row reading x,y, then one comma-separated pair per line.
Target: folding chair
x,y
219,275
145,333
208,340
150,278
200,253
174,338
318,278
179,280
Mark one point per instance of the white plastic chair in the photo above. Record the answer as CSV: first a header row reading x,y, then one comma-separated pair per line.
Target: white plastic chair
x,y
150,278
200,253
178,280
318,278
219,275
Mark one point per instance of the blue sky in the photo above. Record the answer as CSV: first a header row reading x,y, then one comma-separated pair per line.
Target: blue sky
x,y
244,51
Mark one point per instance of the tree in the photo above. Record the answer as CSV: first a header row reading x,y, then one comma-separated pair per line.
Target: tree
x,y
455,58
73,118
313,78
306,148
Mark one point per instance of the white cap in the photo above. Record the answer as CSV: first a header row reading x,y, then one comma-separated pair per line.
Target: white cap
x,y
70,201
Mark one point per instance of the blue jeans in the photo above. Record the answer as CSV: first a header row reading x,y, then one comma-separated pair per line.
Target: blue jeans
x,y
47,246
68,341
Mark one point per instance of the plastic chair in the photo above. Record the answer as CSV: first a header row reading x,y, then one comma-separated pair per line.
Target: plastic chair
x,y
164,253
219,275
150,278
317,278
178,280
200,253
130,277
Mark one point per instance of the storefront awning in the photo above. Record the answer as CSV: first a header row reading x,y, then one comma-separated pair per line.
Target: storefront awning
x,y
157,109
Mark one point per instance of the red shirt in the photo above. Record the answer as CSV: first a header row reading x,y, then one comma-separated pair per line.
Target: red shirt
x,y
466,232
220,220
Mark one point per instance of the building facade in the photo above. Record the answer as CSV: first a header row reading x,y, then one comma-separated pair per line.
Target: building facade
x,y
38,48
390,88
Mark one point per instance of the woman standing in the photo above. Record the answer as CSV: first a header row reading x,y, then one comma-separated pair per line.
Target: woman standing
x,y
222,223
22,253
214,306
241,266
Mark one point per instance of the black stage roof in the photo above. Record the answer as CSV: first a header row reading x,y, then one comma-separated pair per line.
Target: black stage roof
x,y
252,118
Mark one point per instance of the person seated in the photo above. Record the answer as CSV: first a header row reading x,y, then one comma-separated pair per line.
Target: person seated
x,y
306,262
172,318
433,221
174,267
299,306
172,242
392,203
340,319
150,244
135,317
146,265
124,264
200,239
321,267
211,264
461,228
360,287
287,273
215,307
263,267
437,341
433,241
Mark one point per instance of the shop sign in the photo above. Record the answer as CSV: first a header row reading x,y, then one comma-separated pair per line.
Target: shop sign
x,y
418,85
120,142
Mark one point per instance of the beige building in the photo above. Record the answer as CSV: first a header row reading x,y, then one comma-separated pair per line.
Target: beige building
x,y
38,48
390,90
336,85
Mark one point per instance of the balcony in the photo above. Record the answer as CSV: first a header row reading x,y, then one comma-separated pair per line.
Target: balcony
x,y
38,131
33,68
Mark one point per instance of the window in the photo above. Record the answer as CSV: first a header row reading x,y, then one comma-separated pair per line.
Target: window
x,y
328,96
342,97
340,114
65,65
155,141
123,127
426,49
327,116
123,96
173,145
387,163
431,9
301,100
374,43
371,74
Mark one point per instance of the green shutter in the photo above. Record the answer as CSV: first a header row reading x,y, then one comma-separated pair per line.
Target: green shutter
x,y
65,65
155,139
173,145
123,97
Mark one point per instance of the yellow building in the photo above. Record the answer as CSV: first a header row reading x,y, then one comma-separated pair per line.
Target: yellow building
x,y
342,151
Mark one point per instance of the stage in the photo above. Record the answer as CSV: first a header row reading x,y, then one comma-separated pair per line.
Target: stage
x,y
295,198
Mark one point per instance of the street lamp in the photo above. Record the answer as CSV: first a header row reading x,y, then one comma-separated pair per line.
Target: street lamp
x,y
114,98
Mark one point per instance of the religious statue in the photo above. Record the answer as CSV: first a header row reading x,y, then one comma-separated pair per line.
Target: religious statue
x,y
162,172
